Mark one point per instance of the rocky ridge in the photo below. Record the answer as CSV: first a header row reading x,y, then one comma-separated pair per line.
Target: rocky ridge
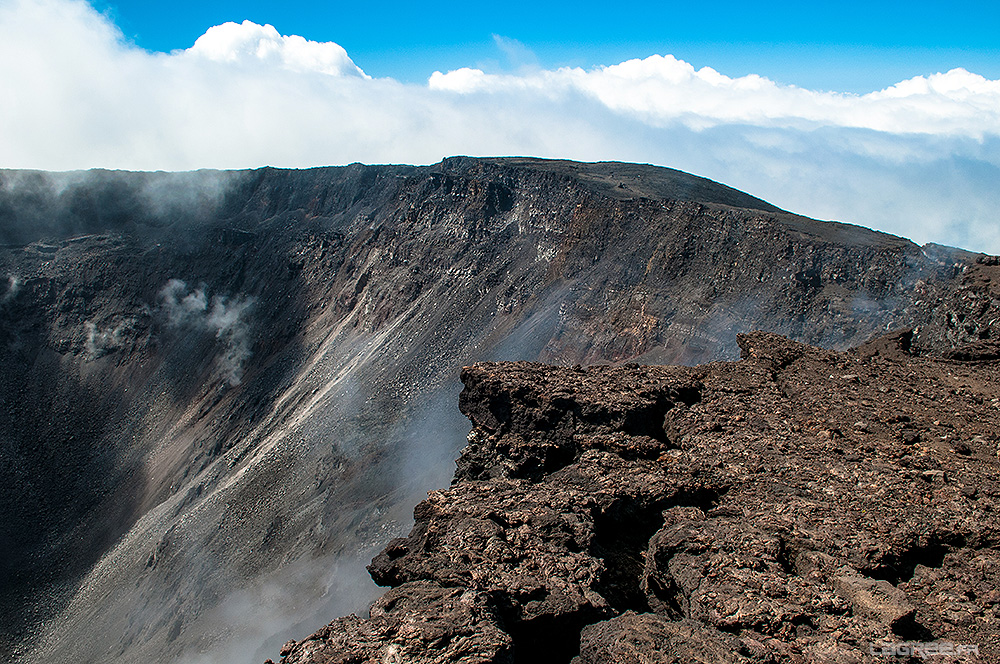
x,y
797,505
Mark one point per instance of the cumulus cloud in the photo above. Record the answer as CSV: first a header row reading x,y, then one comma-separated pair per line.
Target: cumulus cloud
x,y
919,158
249,44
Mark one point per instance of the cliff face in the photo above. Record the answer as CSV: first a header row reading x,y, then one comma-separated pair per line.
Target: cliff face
x,y
799,505
219,384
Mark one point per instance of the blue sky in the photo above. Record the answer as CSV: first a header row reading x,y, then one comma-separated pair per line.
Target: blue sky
x,y
847,46
881,114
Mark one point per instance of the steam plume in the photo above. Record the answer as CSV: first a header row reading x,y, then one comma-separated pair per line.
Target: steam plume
x,y
100,342
191,310
13,286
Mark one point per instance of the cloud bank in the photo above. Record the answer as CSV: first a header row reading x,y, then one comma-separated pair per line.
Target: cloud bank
x,y
661,90
920,158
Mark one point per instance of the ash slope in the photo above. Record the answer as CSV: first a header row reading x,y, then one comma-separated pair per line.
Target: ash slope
x,y
222,384
800,505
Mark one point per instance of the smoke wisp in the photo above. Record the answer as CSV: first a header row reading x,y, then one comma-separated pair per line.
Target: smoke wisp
x,y
100,341
13,286
226,318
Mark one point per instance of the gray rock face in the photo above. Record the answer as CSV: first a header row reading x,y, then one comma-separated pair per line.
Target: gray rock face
x,y
219,384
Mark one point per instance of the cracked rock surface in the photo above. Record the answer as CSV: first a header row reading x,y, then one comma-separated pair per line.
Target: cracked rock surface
x,y
798,505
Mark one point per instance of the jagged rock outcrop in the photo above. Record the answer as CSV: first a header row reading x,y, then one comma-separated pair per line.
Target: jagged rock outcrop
x,y
799,505
217,384
420,620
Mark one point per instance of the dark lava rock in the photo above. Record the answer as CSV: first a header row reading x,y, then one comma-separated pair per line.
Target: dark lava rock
x,y
729,512
420,622
647,637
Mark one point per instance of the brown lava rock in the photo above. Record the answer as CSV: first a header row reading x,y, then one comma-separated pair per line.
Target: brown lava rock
x,y
799,505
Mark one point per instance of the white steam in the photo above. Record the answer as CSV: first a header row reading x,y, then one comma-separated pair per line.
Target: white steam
x,y
190,310
13,286
919,158
254,622
101,341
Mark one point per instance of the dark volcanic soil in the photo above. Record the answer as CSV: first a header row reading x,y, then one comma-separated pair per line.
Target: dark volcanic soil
x,y
799,505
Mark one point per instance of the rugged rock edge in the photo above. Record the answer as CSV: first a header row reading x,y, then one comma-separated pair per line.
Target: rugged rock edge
x,y
799,505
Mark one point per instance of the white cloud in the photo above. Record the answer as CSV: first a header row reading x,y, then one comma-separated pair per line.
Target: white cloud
x,y
920,158
661,90
250,44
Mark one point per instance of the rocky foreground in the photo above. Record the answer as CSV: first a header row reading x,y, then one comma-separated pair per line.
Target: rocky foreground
x,y
798,505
